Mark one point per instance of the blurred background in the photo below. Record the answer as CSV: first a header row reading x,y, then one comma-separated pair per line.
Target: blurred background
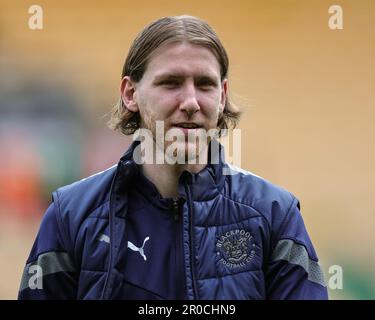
x,y
307,93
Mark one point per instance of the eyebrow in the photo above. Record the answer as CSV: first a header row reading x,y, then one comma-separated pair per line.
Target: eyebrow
x,y
180,76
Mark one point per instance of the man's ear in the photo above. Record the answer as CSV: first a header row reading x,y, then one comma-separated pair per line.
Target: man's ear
x,y
127,90
223,98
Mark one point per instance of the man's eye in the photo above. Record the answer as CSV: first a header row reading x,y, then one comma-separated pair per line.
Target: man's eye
x,y
206,84
170,83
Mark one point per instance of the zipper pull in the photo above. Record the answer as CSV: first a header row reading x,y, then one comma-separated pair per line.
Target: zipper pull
x,y
176,209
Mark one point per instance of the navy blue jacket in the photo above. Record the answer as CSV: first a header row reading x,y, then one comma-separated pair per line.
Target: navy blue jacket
x,y
241,238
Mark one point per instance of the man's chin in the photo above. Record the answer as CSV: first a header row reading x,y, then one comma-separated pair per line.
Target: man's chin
x,y
186,153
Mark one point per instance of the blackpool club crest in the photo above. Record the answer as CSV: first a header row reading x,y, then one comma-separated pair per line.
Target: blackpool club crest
x,y
235,248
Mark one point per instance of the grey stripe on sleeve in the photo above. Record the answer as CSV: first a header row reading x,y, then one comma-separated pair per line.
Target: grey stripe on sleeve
x,y
295,253
50,263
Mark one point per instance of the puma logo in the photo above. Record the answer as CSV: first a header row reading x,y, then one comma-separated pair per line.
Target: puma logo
x,y
131,246
102,237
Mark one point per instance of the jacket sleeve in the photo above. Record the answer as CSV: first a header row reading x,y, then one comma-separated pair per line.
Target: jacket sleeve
x,y
293,270
50,272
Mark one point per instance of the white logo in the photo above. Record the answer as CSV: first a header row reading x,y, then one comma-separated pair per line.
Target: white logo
x,y
103,237
36,20
140,250
36,280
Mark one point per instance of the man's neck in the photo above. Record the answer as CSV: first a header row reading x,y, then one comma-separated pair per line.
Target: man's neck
x,y
165,176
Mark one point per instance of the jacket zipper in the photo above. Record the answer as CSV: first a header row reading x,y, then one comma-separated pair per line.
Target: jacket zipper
x,y
176,209
104,294
192,251
181,278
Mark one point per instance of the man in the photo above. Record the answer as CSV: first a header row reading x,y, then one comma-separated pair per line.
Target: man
x,y
181,223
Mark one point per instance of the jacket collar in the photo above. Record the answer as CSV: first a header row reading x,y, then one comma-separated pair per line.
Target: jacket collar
x,y
203,185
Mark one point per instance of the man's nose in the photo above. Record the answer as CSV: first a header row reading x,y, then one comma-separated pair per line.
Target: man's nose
x,y
189,102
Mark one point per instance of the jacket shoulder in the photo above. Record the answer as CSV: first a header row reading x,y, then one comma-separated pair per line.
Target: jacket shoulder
x,y
82,199
94,188
273,202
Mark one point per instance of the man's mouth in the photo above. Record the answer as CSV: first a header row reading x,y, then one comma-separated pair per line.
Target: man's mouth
x,y
187,125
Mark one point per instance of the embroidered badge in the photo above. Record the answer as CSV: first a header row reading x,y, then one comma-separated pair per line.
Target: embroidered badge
x,y
235,248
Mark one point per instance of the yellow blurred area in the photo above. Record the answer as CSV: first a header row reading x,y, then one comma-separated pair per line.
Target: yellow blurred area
x,y
307,93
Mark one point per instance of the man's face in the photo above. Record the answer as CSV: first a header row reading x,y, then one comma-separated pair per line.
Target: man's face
x,y
182,87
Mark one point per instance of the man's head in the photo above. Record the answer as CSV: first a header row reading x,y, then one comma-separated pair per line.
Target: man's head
x,y
176,72
162,33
